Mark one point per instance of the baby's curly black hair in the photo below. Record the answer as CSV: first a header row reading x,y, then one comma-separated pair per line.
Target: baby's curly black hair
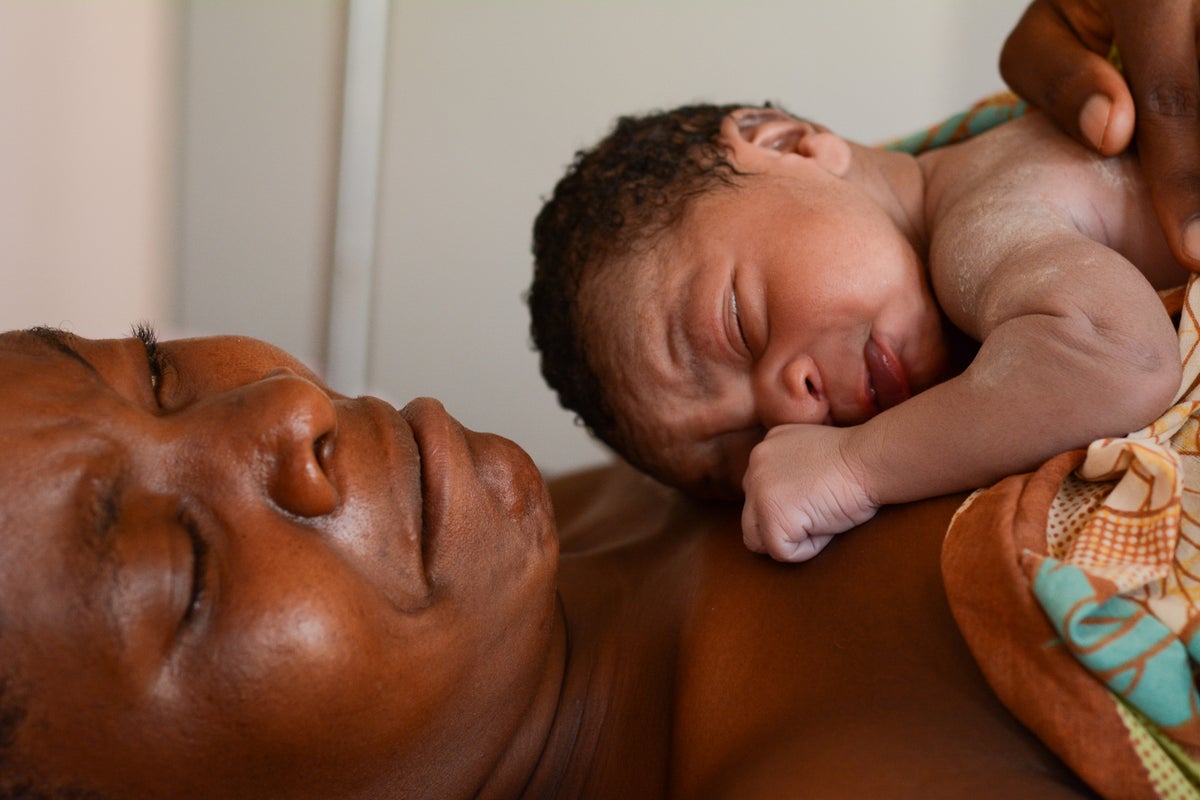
x,y
615,197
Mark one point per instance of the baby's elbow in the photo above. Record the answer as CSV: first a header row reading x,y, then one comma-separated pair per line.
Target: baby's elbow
x,y
1158,391
1162,385
1147,378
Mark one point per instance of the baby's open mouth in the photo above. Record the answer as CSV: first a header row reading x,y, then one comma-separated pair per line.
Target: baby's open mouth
x,y
889,384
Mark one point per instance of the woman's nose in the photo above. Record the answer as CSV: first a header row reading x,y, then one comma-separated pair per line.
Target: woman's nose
x,y
282,428
792,393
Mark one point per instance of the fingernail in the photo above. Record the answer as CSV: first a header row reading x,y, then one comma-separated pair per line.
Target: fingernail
x,y
1191,238
1093,120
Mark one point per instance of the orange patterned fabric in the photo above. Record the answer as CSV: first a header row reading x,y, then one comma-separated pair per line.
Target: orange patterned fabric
x,y
1078,589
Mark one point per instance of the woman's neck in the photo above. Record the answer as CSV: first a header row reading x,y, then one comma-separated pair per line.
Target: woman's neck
x,y
611,729
521,762
612,734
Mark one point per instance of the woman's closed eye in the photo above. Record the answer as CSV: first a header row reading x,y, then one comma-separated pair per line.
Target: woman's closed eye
x,y
156,361
200,556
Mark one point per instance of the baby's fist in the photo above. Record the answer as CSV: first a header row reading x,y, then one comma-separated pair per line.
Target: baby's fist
x,y
801,490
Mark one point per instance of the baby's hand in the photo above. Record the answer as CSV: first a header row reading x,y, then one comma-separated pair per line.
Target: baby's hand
x,y
800,491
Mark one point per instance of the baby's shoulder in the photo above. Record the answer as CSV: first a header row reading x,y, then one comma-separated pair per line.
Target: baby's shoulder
x,y
1021,180
1025,184
991,197
1026,159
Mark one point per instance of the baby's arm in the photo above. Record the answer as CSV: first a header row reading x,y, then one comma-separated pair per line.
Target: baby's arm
x,y
1075,346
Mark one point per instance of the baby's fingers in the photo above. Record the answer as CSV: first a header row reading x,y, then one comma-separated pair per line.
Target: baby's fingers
x,y
751,533
781,542
802,550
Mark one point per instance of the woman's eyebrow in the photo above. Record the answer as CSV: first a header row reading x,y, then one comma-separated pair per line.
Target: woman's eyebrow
x,y
59,340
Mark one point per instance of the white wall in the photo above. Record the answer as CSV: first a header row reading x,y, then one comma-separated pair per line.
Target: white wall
x,y
260,92
486,101
86,163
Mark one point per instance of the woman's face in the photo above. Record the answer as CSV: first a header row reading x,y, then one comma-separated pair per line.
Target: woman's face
x,y
218,578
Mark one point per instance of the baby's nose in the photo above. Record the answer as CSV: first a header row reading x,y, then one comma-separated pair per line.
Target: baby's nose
x,y
796,395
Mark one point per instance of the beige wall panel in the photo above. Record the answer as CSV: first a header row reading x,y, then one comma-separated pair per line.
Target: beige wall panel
x,y
86,163
261,95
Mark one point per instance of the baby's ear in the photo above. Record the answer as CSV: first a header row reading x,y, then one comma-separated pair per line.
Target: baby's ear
x,y
773,130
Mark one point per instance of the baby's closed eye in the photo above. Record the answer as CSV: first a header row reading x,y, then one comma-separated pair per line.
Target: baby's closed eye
x,y
740,342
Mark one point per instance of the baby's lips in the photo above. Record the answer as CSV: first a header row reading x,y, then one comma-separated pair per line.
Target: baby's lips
x,y
887,375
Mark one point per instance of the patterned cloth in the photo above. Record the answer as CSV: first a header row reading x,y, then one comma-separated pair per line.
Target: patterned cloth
x,y
1078,589
987,113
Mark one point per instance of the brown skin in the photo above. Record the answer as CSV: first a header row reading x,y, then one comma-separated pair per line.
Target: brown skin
x,y
841,677
379,618
366,609
1056,57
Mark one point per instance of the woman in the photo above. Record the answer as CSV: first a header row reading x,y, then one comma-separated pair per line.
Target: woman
x,y
262,588
217,578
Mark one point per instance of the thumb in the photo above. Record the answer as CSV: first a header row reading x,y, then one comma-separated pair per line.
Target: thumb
x,y
1045,61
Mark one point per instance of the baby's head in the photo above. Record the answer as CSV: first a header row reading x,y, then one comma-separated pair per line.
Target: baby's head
x,y
706,273
615,200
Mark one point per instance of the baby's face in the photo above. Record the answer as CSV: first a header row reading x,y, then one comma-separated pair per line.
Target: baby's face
x,y
791,298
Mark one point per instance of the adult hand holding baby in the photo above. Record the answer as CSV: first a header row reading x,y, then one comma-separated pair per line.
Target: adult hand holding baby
x,y
1057,58
802,489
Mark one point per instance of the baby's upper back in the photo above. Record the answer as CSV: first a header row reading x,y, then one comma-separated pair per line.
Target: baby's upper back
x,y
1024,179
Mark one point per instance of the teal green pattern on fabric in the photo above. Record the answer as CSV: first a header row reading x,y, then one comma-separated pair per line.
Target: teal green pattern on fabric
x,y
1121,643
974,121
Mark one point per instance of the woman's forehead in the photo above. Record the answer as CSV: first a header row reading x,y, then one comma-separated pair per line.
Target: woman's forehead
x,y
55,446
44,387
40,343
36,360
53,414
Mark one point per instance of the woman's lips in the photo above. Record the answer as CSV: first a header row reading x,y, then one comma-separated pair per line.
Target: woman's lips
x,y
889,383
476,487
429,426
384,522
455,507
